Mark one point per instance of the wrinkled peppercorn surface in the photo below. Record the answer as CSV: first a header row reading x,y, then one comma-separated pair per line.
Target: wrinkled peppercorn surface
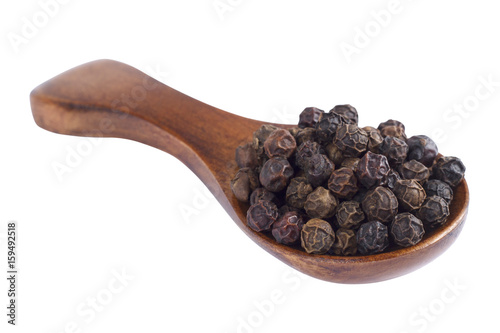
x,y
261,215
287,228
343,183
317,236
380,204
406,230
275,174
372,237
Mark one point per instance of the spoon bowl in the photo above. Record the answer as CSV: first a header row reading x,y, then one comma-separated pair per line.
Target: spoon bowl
x,y
105,98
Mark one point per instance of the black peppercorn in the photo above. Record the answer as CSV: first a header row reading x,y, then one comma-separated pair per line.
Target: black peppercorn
x,y
276,174
372,237
309,117
327,127
380,204
406,230
334,154
305,134
280,143
297,192
345,243
304,153
351,140
321,203
343,183
246,156
414,170
372,169
349,215
287,228
439,188
374,138
393,128
394,149
319,168
261,215
449,169
423,149
434,212
317,236
260,194
243,183
347,111
410,194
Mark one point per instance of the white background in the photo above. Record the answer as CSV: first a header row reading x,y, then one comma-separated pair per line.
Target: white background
x,y
120,209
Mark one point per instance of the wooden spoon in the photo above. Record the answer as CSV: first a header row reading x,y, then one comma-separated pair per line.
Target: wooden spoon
x,y
110,99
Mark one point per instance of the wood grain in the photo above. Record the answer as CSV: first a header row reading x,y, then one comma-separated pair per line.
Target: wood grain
x,y
109,99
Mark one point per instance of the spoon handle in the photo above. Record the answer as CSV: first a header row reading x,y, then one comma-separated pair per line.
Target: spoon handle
x,y
110,99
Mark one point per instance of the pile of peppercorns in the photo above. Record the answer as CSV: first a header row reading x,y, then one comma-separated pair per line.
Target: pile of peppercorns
x,y
340,189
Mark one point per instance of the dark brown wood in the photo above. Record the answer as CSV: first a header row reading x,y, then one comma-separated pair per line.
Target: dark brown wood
x,y
110,99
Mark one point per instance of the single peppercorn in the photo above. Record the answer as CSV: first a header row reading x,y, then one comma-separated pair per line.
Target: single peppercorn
x,y
280,143
372,169
406,230
410,194
372,237
261,215
449,169
334,154
297,192
345,243
243,183
319,169
413,169
310,117
392,128
434,211
351,140
275,174
287,228
439,188
350,163
343,183
320,203
246,156
317,236
394,149
374,138
327,127
380,204
391,179
260,194
347,111
305,134
349,215
423,149
304,153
